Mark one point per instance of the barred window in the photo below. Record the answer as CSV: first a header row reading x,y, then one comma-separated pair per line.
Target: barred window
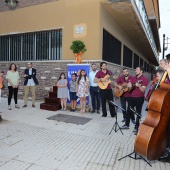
x,y
127,57
111,48
44,45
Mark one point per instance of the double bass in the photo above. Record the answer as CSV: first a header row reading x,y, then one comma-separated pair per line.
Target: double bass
x,y
152,137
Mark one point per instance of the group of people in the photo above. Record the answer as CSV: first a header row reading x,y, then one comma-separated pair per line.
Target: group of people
x,y
13,79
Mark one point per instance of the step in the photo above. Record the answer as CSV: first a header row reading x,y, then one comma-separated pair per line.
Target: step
x,y
50,107
52,100
55,88
52,94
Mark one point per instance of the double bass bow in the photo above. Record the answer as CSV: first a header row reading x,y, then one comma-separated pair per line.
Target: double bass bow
x,y
151,140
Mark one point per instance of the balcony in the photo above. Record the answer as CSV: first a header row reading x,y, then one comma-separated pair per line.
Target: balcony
x,y
133,18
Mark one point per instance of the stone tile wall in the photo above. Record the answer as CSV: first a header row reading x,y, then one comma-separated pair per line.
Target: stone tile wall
x,y
47,75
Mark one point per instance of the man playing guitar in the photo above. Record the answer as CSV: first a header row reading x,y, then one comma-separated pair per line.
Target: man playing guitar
x,y
126,78
137,97
105,93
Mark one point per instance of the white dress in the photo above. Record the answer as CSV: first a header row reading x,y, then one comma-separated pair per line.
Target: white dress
x,y
82,87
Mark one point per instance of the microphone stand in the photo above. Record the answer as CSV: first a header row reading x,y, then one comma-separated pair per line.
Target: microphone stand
x,y
116,126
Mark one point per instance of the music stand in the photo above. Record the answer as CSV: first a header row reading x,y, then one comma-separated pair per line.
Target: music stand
x,y
116,126
129,155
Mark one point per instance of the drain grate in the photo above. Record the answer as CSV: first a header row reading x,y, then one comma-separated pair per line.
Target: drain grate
x,y
70,119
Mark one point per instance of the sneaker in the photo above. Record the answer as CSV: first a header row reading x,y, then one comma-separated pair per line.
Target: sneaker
x,y
16,106
134,130
125,127
9,108
98,112
133,121
135,133
93,111
124,120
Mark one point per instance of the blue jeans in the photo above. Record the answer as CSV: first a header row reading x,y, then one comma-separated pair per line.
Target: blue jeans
x,y
95,96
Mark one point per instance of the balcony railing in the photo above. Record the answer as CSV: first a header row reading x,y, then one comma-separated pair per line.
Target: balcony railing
x,y
141,11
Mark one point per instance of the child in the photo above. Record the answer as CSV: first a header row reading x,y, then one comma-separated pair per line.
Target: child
x,y
62,92
1,85
73,97
82,89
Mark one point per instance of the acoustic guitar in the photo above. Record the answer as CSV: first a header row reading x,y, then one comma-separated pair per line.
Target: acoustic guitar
x,y
119,92
108,80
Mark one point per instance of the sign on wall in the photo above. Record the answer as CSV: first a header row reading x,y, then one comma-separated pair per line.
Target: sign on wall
x,y
74,68
80,30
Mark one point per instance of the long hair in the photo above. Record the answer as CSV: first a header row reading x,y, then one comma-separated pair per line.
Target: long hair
x,y
61,75
10,67
81,76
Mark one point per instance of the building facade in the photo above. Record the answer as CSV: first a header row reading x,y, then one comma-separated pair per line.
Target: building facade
x,y
123,33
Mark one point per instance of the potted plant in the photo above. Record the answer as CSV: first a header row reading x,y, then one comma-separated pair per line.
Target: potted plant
x,y
78,47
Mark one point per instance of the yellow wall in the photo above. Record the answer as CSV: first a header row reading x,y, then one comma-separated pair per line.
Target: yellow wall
x,y
60,14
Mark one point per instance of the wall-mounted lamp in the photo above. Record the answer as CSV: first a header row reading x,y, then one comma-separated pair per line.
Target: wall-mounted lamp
x,y
12,3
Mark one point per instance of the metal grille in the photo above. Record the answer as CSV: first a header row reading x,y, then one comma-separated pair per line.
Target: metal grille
x,y
44,45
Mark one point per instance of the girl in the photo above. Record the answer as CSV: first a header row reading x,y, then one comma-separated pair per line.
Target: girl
x,y
73,96
13,83
82,89
62,92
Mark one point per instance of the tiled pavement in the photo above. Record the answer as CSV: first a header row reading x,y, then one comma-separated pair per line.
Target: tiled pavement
x,y
29,141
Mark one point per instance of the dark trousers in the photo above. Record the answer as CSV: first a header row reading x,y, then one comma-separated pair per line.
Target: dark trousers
x,y
134,102
107,94
95,96
123,101
11,91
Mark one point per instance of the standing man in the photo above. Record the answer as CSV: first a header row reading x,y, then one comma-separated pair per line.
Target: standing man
x,y
30,82
137,98
126,78
163,64
105,94
94,90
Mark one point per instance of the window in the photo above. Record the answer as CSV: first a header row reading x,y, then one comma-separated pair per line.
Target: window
x,y
136,61
127,57
44,45
141,62
111,48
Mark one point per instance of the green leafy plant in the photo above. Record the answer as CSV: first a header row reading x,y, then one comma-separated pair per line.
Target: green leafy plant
x,y
78,46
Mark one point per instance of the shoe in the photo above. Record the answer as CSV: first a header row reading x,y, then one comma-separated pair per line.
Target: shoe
x,y
124,120
134,130
33,105
24,105
104,116
133,121
9,108
98,112
124,127
16,106
93,111
113,115
135,133
71,110
165,159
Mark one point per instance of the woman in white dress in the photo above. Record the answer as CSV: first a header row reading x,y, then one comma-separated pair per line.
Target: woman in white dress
x,y
82,89
62,91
